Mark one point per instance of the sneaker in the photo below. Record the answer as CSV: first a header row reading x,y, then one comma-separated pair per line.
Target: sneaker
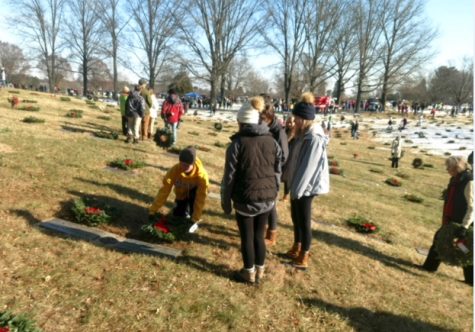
x,y
128,140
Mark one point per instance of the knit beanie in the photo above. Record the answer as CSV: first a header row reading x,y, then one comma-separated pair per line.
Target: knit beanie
x,y
249,112
188,155
305,108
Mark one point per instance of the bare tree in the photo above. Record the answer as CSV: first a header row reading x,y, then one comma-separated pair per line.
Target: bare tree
x,y
323,19
12,59
343,48
215,31
83,36
62,69
99,74
237,72
368,17
286,35
452,84
406,38
39,22
114,24
255,84
154,26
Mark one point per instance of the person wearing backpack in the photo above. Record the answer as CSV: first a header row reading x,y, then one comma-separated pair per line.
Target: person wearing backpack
x,y
172,110
135,110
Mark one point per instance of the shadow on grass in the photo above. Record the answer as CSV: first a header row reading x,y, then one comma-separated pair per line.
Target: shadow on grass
x,y
125,191
205,265
364,320
359,248
27,215
76,129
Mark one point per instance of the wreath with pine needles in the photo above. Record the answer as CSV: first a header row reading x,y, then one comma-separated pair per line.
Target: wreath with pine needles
x,y
447,248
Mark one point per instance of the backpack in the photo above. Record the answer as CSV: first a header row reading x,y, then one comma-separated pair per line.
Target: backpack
x,y
173,99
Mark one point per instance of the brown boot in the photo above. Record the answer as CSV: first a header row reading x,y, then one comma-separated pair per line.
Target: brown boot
x,y
259,274
286,198
301,262
270,238
295,251
245,276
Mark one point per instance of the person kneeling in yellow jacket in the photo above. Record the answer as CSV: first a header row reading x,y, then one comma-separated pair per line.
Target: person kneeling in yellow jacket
x,y
191,183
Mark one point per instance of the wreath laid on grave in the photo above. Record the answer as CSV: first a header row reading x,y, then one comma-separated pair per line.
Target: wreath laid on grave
x,y
94,107
74,114
333,163
343,143
103,117
65,99
414,198
371,147
356,155
29,101
202,148
362,225
194,133
30,109
90,102
168,228
174,150
376,170
14,92
417,162
403,175
127,164
32,119
336,171
163,138
93,213
447,247
421,135
429,165
221,145
213,134
22,322
393,182
447,153
195,113
13,100
108,135
218,126
34,93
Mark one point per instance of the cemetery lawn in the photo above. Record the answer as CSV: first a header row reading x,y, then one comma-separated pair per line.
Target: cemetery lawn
x,y
354,282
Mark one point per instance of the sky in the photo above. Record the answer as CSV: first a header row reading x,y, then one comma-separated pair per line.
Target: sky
x,y
454,19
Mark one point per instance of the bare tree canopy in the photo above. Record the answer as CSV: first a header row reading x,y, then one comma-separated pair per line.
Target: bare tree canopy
x,y
61,70
83,36
368,18
12,59
286,35
214,32
155,27
39,22
320,27
406,39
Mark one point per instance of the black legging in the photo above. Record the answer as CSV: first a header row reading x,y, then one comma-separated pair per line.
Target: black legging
x,y
273,218
395,163
301,210
286,188
253,246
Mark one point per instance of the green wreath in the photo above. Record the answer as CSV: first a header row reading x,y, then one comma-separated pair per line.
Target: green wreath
x,y
163,138
447,249
218,126
417,162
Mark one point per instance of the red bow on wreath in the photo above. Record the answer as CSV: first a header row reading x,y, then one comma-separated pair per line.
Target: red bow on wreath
x,y
161,225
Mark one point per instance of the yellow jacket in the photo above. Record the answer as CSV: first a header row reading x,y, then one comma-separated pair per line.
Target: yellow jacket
x,y
198,178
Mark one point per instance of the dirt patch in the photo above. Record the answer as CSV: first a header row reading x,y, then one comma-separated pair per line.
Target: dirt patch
x,y
4,148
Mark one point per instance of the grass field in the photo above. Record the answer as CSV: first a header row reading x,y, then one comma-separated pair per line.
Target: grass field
x,y
354,282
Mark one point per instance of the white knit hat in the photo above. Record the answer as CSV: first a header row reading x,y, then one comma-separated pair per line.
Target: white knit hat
x,y
248,114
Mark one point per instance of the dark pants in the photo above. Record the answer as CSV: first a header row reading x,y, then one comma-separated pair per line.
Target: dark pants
x,y
253,246
273,218
395,162
186,206
286,188
432,263
301,210
124,125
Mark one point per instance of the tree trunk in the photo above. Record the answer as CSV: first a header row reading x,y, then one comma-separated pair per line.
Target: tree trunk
x,y
114,64
384,92
84,77
358,94
223,89
339,88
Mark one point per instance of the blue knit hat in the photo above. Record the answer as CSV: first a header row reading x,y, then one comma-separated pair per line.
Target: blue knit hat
x,y
304,110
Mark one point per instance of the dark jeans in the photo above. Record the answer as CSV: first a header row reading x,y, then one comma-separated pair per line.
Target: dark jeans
x,y
186,206
395,163
286,188
432,263
301,210
273,218
253,246
124,125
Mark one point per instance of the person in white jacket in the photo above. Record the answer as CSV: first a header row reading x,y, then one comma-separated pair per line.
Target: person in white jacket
x,y
153,111
396,151
308,176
